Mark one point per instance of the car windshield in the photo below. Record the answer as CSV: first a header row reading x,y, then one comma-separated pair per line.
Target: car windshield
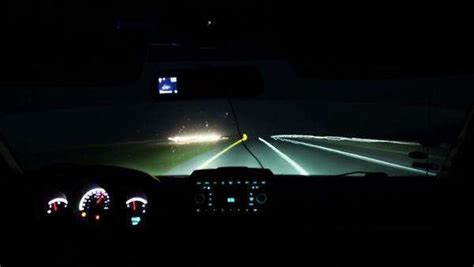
x,y
340,94
297,127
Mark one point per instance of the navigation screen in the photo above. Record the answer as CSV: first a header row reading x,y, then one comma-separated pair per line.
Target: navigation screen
x,y
167,85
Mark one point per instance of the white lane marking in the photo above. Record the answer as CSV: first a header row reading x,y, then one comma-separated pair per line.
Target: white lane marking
x,y
295,165
341,138
356,156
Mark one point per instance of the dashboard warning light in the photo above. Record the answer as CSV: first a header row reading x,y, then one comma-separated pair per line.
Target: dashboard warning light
x,y
97,217
83,214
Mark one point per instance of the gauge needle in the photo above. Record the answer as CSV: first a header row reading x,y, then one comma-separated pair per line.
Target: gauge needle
x,y
55,207
134,206
99,200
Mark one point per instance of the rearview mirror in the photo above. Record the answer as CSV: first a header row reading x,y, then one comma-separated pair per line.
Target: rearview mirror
x,y
209,82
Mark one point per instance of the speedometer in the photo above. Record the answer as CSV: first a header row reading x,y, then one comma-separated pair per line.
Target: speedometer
x,y
94,204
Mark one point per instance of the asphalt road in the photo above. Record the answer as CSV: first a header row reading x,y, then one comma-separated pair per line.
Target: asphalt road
x,y
303,157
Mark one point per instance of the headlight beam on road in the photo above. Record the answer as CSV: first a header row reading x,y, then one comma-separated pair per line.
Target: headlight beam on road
x,y
341,138
293,164
357,156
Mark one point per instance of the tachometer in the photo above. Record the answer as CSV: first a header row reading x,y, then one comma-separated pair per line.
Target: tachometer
x,y
94,204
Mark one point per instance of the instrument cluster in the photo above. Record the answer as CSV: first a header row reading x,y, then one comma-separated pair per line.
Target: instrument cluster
x,y
96,205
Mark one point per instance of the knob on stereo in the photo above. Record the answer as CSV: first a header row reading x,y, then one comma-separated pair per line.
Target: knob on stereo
x,y
199,199
261,198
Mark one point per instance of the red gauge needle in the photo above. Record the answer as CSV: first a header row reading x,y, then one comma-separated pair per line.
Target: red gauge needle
x,y
134,206
99,200
55,207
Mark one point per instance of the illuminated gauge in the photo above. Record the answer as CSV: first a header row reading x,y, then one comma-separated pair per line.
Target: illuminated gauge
x,y
57,205
136,207
94,204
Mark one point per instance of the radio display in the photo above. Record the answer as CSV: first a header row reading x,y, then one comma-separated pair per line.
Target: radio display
x,y
230,196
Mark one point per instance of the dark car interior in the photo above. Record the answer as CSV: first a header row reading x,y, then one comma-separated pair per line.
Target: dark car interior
x,y
69,214
370,220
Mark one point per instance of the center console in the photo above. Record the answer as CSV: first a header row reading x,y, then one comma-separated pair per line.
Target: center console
x,y
239,192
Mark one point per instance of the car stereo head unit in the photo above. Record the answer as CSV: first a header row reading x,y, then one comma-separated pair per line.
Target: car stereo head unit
x,y
243,193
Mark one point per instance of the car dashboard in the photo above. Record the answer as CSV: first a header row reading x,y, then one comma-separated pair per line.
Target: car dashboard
x,y
132,199
78,215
